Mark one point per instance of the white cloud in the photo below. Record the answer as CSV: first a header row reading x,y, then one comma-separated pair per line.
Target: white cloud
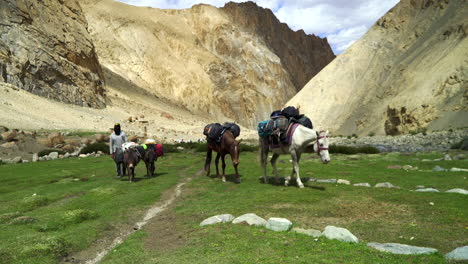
x,y
341,21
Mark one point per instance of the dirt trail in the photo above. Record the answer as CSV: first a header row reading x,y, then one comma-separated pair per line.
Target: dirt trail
x,y
95,256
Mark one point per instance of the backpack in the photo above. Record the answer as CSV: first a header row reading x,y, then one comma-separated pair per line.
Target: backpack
x,y
158,148
290,112
275,114
213,132
303,120
233,127
261,128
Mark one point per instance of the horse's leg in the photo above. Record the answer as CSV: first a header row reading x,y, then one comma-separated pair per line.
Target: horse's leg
x,y
224,168
238,180
217,163
152,168
273,164
296,157
263,159
208,161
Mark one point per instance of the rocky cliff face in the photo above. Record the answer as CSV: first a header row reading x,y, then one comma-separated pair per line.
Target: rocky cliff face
x,y
45,48
302,55
408,73
218,63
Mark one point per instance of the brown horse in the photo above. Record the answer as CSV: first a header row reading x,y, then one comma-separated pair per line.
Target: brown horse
x,y
228,145
131,159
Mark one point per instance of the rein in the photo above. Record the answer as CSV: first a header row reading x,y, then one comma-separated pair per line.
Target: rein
x,y
318,144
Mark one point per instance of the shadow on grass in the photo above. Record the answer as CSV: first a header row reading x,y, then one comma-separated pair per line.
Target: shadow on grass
x,y
292,183
229,177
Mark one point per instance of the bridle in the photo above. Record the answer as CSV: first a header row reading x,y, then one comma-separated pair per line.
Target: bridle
x,y
319,148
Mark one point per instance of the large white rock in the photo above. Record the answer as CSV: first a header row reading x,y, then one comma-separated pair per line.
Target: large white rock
x,y
223,218
35,158
427,190
365,184
309,232
460,253
53,155
250,219
384,185
458,169
278,224
401,249
338,233
458,190
341,181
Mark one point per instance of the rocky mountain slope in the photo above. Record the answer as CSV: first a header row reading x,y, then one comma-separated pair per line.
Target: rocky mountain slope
x,y
238,62
408,73
45,49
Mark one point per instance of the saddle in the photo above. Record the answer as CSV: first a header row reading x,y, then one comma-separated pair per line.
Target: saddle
x,y
215,131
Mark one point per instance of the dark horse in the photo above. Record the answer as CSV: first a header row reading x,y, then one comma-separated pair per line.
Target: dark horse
x,y
149,159
228,145
131,159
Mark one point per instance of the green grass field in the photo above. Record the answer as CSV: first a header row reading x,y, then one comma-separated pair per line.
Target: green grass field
x,y
78,201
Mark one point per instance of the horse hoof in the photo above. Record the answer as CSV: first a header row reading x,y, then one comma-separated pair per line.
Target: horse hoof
x,y
301,186
238,181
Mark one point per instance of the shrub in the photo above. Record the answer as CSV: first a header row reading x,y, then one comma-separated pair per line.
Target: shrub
x,y
248,148
352,150
95,147
46,152
354,135
371,134
35,201
52,245
79,215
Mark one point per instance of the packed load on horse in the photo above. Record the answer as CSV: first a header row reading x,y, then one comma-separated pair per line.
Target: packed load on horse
x,y
279,129
222,139
214,132
149,152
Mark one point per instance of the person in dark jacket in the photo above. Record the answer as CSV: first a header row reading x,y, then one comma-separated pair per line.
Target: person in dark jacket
x,y
117,138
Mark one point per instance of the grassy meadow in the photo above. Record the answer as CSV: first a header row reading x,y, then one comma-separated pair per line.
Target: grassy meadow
x,y
79,201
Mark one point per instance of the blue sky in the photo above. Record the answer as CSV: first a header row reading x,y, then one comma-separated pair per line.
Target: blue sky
x,y
341,21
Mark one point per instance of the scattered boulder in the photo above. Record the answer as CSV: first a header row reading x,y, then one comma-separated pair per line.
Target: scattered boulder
x,y
384,185
10,144
83,156
223,218
10,135
459,157
101,138
409,168
365,184
278,224
55,139
309,232
401,249
341,234
16,160
394,167
438,168
458,170
458,190
35,157
427,190
420,187
447,157
180,148
460,253
341,181
68,148
250,219
53,155
3,129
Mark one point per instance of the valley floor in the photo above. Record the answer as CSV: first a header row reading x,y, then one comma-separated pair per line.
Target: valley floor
x,y
69,210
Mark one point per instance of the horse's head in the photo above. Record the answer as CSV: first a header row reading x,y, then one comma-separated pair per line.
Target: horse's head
x,y
321,146
235,150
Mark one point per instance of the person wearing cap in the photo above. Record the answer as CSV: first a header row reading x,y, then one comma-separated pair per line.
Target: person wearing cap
x,y
117,138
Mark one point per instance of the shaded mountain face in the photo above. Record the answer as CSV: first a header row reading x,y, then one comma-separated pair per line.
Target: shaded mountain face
x,y
45,48
408,73
238,62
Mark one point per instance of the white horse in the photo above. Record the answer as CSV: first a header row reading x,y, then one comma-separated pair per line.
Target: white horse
x,y
302,138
